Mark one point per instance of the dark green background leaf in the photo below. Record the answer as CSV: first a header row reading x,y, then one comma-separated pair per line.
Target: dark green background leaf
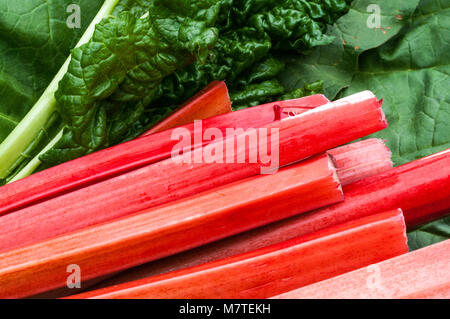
x,y
336,63
412,74
429,234
34,43
112,78
106,98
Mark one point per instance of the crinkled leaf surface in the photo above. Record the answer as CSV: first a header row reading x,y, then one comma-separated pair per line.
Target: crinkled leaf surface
x,y
336,63
119,83
251,34
34,42
112,78
412,75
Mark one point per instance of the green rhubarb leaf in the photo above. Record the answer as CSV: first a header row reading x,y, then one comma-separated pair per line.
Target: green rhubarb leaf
x,y
136,7
429,234
411,73
307,90
256,94
267,69
337,63
114,77
251,34
108,96
34,42
119,83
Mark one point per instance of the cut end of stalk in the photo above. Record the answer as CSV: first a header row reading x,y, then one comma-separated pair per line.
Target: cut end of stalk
x,y
333,168
368,95
379,105
361,159
402,221
383,115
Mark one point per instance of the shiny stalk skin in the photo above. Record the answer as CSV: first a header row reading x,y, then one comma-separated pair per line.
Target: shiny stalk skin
x,y
353,162
421,274
296,138
135,154
428,212
420,188
169,229
279,268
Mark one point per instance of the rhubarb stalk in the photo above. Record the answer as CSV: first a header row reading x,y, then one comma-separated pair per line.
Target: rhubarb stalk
x,y
421,188
424,273
211,101
279,268
362,159
370,155
129,156
169,229
291,139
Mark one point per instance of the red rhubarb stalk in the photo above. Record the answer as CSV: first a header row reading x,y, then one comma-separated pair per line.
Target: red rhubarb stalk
x,y
367,157
211,101
169,229
418,187
424,273
428,212
370,155
359,160
421,188
279,268
291,139
128,156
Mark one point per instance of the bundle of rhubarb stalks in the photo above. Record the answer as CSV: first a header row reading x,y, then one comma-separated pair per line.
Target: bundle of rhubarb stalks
x,y
273,201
